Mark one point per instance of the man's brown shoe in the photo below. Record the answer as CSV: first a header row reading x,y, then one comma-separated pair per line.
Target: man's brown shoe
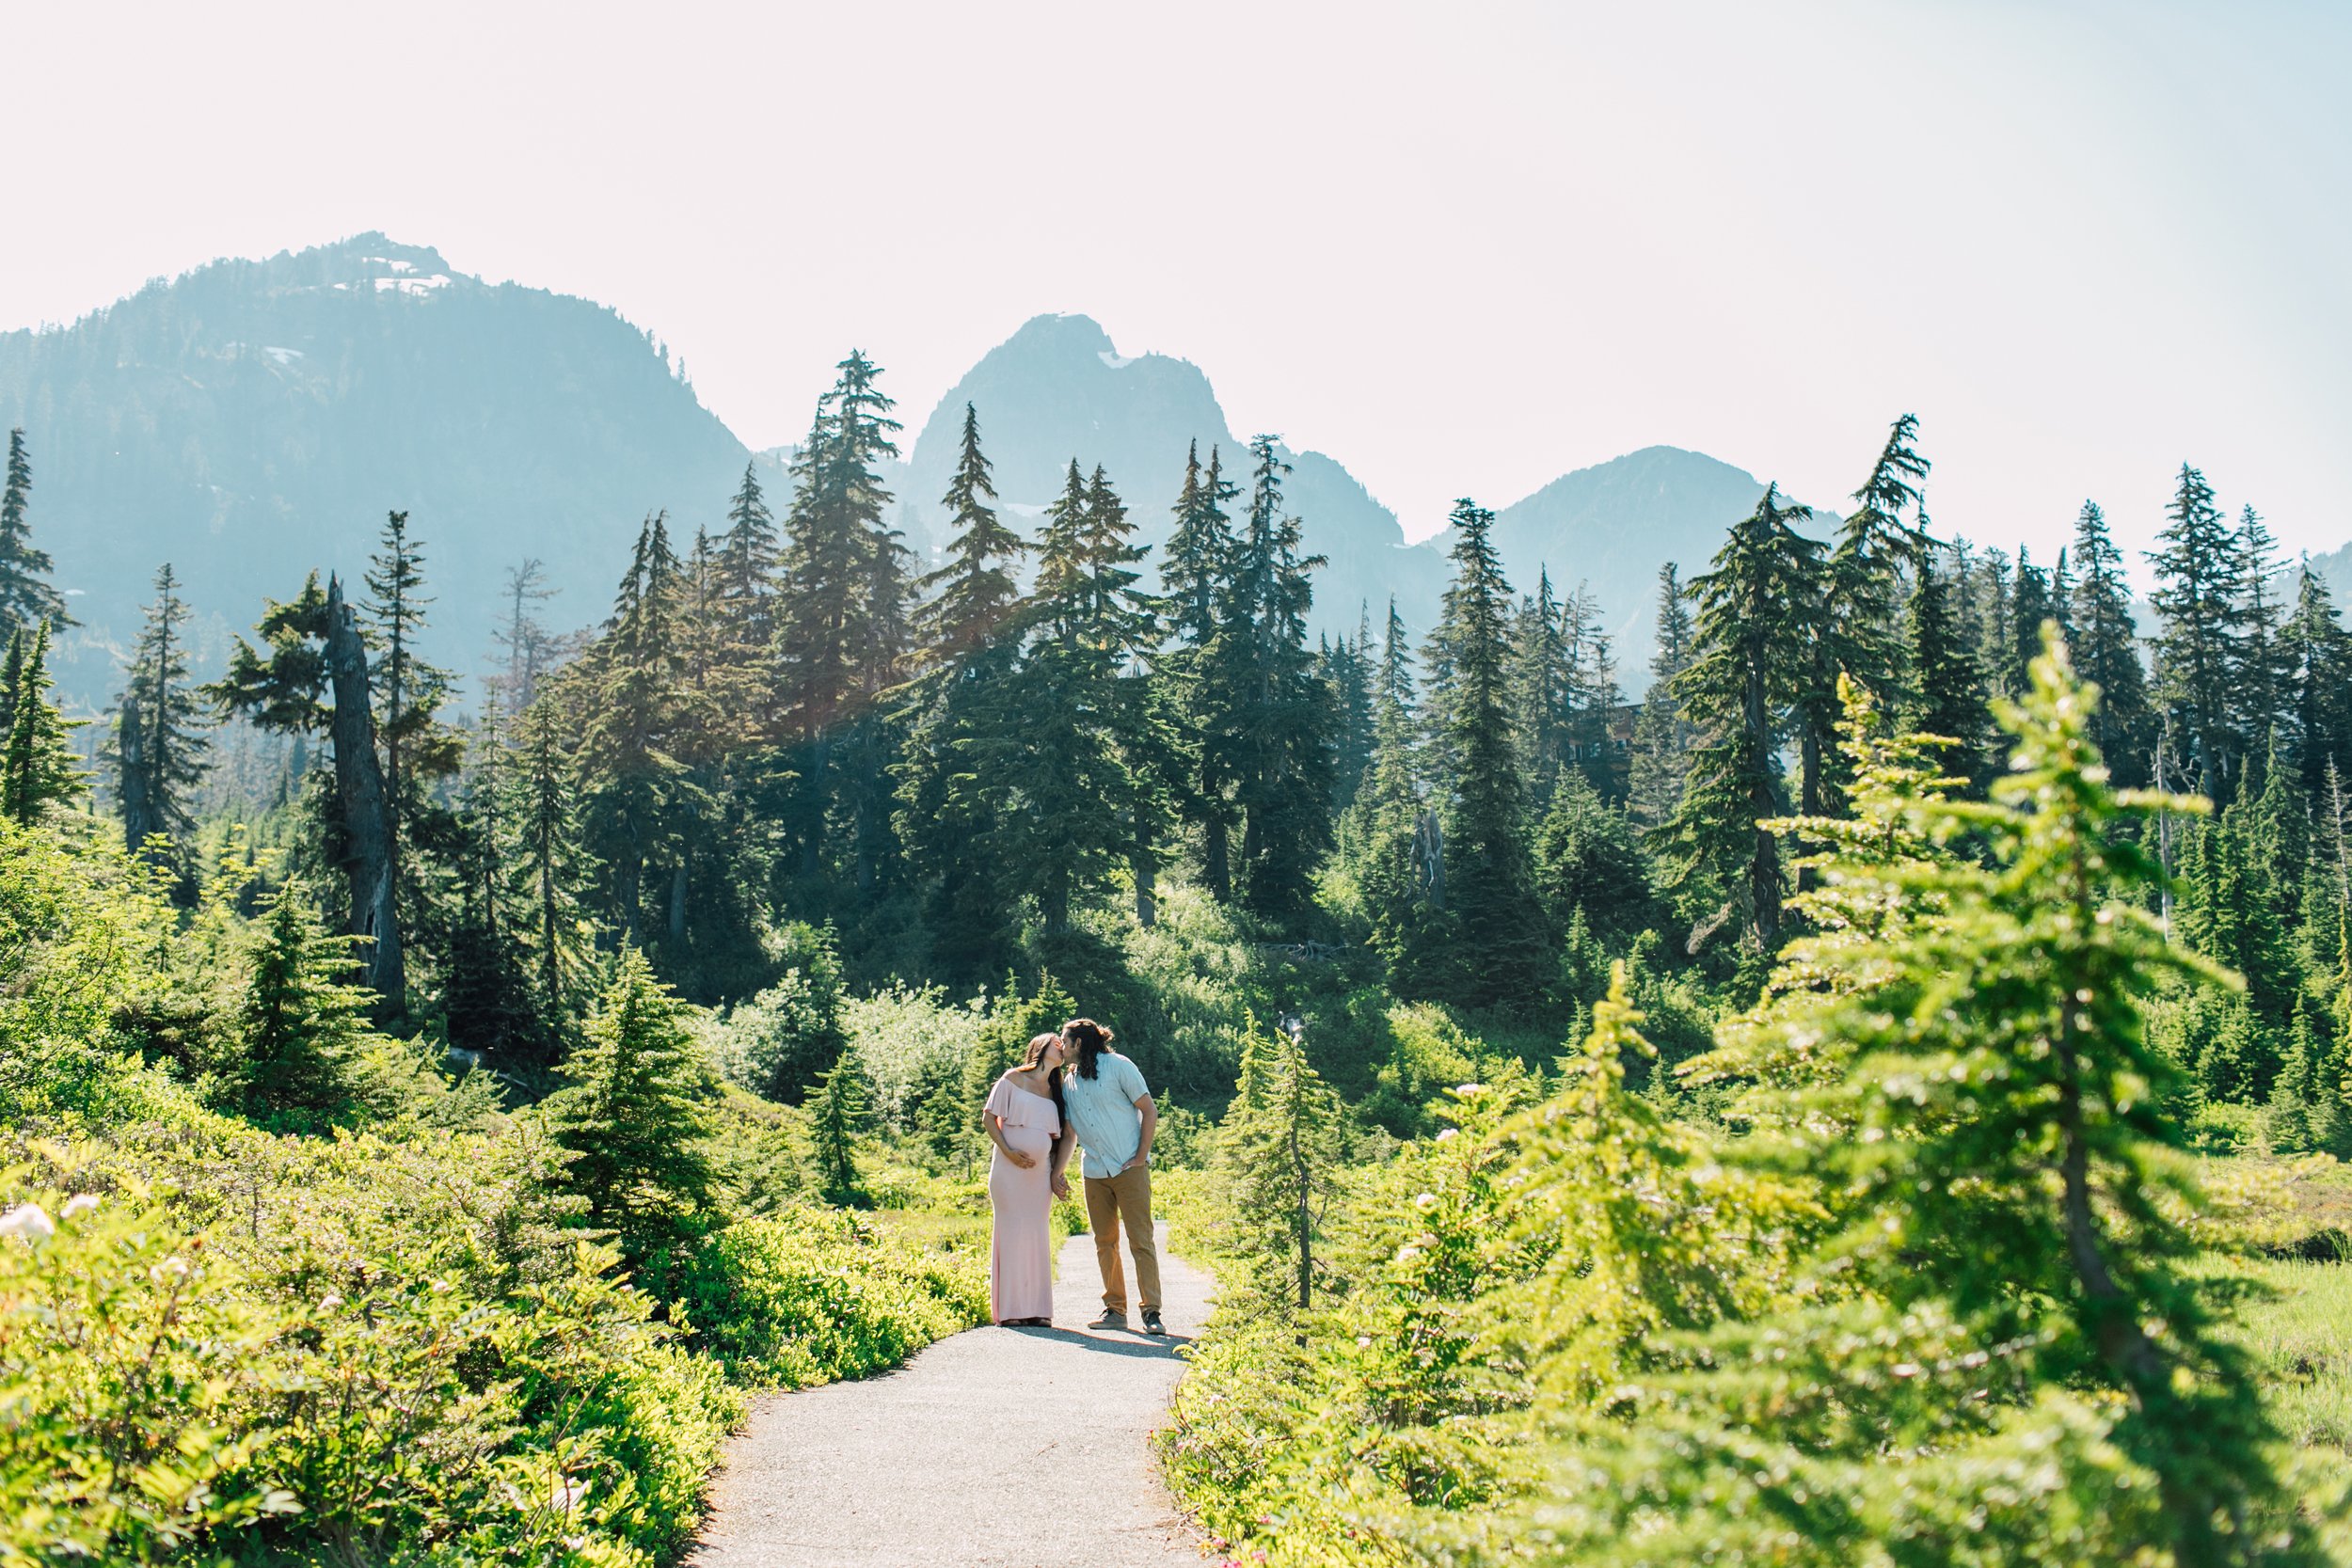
x,y
1111,1318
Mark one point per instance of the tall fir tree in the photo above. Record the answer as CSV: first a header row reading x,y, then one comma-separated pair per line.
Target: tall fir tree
x,y
161,747
1948,697
26,598
637,794
1541,685
977,585
2260,681
1072,774
1203,664
1499,947
1593,696
1747,667
952,783
1277,725
1384,836
1661,735
2200,643
841,634
1345,669
749,554
2103,640
419,751
1860,630
2315,666
545,813
38,770
2030,607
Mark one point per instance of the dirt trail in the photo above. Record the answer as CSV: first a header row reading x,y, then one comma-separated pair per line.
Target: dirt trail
x,y
1000,1448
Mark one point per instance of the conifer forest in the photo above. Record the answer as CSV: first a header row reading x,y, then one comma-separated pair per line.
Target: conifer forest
x,y
1870,1088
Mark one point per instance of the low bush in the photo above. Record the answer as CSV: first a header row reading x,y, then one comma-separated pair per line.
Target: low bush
x,y
818,1294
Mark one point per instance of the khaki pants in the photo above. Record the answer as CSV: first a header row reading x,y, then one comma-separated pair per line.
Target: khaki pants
x,y
1109,1200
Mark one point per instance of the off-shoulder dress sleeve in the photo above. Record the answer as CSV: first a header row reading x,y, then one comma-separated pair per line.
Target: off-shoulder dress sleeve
x,y
1000,1100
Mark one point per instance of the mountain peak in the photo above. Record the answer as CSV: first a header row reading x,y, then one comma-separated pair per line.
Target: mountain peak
x,y
1060,336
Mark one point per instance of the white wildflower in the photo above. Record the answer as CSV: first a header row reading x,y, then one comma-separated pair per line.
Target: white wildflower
x,y
28,1220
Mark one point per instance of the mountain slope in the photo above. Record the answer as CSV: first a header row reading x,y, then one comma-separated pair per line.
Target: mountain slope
x,y
1059,389
1612,525
253,419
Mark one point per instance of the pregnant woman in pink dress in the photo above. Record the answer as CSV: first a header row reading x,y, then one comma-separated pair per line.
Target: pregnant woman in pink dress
x,y
1023,1121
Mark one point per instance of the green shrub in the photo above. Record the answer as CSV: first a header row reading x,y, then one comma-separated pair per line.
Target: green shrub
x,y
779,1041
817,1295
908,1041
362,1361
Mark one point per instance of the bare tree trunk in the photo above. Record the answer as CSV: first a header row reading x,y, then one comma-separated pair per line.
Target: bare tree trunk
x,y
677,901
366,809
1216,867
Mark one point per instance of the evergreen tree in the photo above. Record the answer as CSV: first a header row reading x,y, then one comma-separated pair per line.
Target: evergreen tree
x,y
417,751
2029,608
1205,668
299,1030
2260,681
313,676
1070,773
1662,737
632,1114
26,598
1994,598
487,994
2316,670
1747,666
1949,696
159,750
842,633
1589,866
638,795
839,1111
39,769
1860,630
1277,729
1994,1167
1384,834
2104,642
1497,939
1542,691
953,788
1345,669
749,554
976,588
1277,1151
2200,647
545,812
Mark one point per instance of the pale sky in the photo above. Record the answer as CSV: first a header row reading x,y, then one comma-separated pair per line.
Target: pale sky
x,y
1462,248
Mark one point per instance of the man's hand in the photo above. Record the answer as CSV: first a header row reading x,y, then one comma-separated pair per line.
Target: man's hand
x,y
1061,1186
1141,1159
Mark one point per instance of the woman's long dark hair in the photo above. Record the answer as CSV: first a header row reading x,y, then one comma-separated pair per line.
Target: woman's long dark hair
x,y
1091,1039
1038,1044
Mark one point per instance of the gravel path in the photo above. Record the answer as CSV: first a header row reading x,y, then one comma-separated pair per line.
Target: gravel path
x,y
1000,1448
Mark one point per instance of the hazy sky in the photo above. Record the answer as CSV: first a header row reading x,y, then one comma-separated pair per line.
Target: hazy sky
x,y
1461,247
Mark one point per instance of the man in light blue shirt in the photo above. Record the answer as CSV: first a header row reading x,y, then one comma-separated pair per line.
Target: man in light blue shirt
x,y
1109,1111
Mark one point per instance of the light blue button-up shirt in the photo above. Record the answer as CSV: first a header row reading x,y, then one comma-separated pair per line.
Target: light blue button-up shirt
x,y
1103,1113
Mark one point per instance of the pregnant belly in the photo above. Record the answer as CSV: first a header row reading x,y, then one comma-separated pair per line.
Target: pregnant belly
x,y
1031,1140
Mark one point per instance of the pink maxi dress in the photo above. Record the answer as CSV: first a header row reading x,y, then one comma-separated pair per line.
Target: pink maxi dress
x,y
1020,1260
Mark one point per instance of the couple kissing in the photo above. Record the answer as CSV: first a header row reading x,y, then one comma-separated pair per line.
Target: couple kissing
x,y
1071,1091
